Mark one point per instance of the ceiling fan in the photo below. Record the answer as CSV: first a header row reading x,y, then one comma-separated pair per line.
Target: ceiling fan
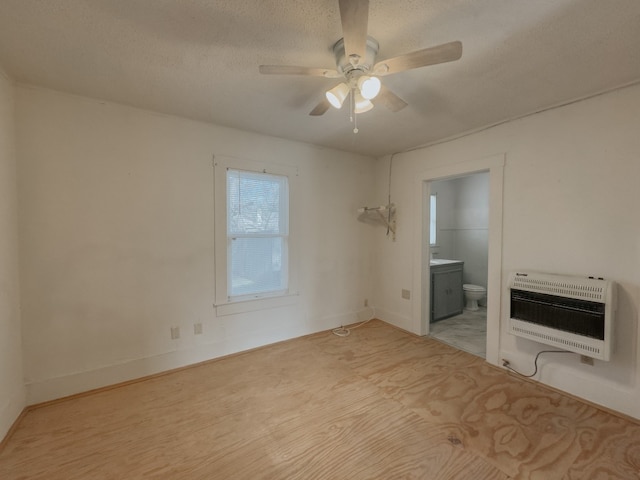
x,y
356,64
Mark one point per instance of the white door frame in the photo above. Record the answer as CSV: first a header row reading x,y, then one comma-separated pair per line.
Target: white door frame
x,y
421,304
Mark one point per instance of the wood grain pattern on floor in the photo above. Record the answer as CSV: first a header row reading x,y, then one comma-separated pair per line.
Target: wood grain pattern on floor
x,y
378,404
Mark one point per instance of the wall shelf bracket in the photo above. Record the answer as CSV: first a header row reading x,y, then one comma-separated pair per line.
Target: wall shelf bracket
x,y
383,214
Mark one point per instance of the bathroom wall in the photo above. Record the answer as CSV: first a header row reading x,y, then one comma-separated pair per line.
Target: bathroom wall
x,y
463,224
471,230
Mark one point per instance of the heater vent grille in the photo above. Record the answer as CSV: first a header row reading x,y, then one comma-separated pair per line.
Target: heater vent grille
x,y
557,341
572,313
584,290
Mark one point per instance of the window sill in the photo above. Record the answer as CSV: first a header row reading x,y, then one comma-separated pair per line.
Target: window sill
x,y
251,305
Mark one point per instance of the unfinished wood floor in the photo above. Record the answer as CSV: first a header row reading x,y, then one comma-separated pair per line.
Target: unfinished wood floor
x,y
379,404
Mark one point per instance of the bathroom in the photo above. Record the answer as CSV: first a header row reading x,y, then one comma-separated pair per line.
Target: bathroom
x,y
462,234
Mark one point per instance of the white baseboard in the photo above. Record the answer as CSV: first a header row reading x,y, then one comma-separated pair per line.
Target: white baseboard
x,y
11,410
395,319
39,391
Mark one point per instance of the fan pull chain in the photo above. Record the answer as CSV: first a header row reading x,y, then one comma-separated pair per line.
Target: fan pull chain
x,y
352,107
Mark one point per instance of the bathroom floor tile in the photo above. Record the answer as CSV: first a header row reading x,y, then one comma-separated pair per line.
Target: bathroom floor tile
x,y
467,331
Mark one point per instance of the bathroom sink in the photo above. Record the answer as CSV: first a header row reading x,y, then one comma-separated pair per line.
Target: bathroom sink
x,y
442,261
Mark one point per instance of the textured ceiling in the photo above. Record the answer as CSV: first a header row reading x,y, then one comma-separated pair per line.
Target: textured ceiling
x,y
199,59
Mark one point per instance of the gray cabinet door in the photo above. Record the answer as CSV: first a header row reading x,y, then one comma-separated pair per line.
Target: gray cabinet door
x,y
447,297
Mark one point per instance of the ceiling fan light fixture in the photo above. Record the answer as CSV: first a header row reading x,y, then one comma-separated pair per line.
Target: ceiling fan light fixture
x,y
337,95
369,86
362,104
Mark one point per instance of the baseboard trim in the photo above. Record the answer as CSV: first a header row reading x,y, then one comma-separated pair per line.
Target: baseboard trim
x,y
145,378
48,389
13,428
597,406
163,373
395,320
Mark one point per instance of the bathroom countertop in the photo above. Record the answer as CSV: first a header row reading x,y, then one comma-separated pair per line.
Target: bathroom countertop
x,y
443,261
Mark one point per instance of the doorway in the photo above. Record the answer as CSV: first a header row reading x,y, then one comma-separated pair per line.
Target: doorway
x,y
458,255
494,165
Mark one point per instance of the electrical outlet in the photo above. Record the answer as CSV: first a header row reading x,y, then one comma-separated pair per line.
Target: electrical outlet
x,y
197,328
175,333
586,360
366,302
406,294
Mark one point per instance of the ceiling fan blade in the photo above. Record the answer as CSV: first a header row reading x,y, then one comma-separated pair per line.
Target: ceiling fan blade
x,y
294,70
321,108
354,15
390,100
447,52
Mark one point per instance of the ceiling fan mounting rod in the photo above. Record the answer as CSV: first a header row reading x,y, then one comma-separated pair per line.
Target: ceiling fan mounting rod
x,y
353,75
346,64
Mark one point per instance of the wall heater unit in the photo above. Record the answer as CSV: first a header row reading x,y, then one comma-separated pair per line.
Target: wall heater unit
x,y
571,313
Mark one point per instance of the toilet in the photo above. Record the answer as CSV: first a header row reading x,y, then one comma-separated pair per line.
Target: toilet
x,y
473,293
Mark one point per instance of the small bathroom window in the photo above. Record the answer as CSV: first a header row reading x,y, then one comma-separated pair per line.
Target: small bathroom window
x,y
432,220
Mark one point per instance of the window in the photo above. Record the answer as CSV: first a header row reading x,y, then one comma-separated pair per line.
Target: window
x,y
432,220
255,249
257,233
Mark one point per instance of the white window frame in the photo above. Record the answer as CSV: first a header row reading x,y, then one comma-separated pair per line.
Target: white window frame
x,y
433,222
225,304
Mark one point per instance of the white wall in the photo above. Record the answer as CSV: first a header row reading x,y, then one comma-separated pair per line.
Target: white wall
x,y
117,241
570,195
12,396
116,237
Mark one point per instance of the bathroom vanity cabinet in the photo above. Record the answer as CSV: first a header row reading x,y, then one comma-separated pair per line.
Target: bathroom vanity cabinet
x,y
447,296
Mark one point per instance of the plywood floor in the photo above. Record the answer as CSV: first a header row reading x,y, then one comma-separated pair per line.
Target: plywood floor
x,y
379,404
